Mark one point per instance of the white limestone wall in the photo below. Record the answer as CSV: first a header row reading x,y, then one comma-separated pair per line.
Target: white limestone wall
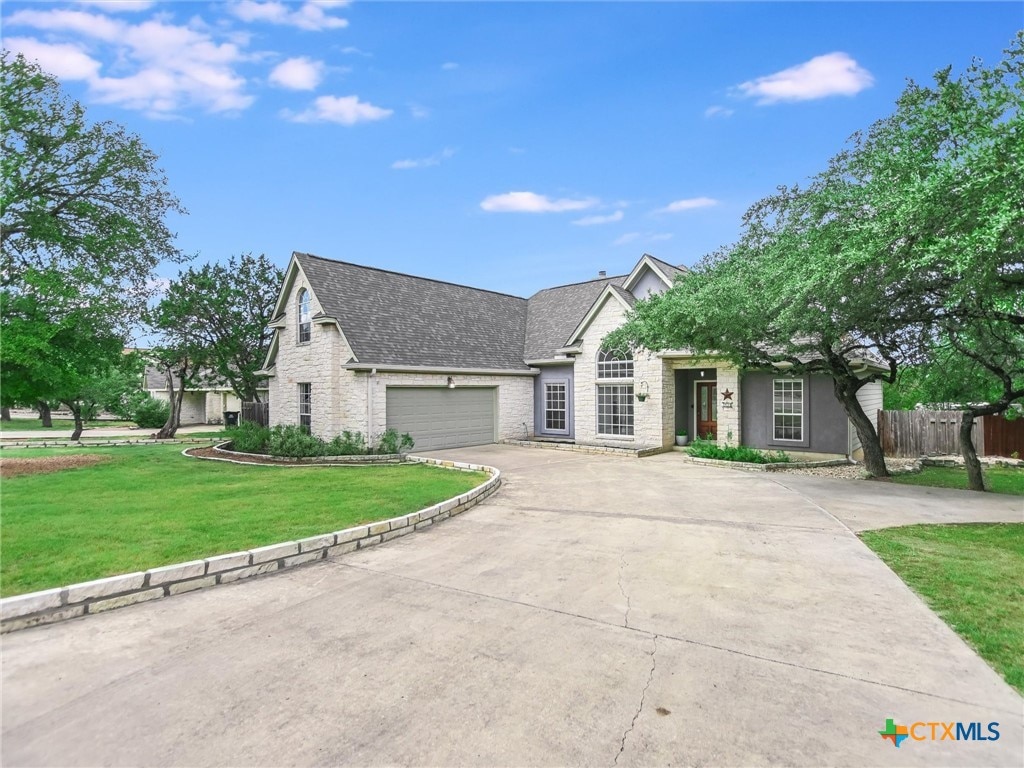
x,y
317,362
728,378
649,425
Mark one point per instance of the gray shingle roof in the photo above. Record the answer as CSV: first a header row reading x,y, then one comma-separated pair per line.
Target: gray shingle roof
x,y
554,313
672,272
391,318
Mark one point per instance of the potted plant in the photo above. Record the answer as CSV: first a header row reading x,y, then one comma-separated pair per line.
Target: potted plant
x,y
681,437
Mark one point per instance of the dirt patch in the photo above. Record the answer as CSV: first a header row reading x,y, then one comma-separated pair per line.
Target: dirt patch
x,y
42,464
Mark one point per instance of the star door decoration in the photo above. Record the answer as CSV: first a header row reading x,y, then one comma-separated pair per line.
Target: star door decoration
x,y
727,401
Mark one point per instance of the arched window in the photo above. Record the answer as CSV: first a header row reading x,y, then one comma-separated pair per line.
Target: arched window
x,y
614,364
304,316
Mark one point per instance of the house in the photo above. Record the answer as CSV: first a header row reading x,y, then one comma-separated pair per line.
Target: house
x,y
202,404
364,349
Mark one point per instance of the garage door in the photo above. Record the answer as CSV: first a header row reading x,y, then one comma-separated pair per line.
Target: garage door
x,y
438,417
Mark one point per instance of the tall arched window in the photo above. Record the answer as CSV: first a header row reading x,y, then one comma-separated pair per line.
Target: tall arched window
x,y
615,400
304,316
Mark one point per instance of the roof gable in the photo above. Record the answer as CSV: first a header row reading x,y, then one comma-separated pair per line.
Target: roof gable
x,y
665,271
616,292
553,313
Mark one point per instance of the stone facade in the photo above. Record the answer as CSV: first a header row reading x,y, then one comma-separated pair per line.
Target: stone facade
x,y
648,422
316,362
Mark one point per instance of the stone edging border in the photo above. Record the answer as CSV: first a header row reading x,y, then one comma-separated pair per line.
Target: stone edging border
x,y
61,603
100,443
238,457
779,466
612,450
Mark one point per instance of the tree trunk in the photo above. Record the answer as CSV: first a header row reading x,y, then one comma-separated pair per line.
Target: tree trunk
x,y
170,427
44,413
5,414
874,458
76,411
975,477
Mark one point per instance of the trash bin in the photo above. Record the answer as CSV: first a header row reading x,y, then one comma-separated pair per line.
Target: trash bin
x,y
230,418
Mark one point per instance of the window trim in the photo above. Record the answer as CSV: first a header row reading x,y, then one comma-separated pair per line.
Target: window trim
x,y
802,440
609,361
306,399
304,327
628,392
564,383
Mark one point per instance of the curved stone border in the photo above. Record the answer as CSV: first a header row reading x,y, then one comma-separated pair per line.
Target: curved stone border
x,y
238,457
102,443
58,604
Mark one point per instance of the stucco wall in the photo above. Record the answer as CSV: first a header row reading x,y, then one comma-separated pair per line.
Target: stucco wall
x,y
647,284
550,374
649,428
316,362
825,427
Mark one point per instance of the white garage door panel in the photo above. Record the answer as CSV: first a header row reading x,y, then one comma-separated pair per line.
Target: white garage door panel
x,y
438,417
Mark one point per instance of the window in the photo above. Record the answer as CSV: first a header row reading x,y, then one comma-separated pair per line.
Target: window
x,y
304,316
788,409
614,365
615,409
306,406
555,395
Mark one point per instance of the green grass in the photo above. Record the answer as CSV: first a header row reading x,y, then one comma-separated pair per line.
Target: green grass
x,y
59,425
999,479
150,506
973,577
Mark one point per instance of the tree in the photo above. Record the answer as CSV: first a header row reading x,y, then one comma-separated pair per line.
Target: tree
x,y
82,227
225,308
87,200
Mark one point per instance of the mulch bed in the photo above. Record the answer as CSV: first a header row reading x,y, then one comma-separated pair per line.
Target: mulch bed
x,y
42,464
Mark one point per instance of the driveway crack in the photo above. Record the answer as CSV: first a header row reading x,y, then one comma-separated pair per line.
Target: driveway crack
x,y
643,696
629,606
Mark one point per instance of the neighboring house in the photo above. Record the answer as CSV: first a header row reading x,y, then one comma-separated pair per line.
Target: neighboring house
x,y
363,349
203,404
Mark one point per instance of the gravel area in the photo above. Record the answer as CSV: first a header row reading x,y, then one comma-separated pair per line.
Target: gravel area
x,y
852,471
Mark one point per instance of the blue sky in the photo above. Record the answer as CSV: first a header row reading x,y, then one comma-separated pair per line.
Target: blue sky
x,y
510,146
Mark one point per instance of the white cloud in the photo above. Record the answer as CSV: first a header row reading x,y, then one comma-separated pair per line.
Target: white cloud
x,y
419,112
310,15
530,202
168,67
834,74
351,50
425,162
517,150
344,110
718,111
645,237
688,204
589,221
66,61
118,6
448,66
298,74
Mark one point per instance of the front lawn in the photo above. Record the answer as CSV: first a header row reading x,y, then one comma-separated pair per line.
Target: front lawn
x,y
146,506
973,577
999,479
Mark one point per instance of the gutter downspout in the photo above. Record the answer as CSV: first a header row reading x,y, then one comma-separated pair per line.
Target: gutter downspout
x,y
369,404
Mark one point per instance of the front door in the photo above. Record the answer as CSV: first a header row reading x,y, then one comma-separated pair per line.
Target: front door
x,y
707,410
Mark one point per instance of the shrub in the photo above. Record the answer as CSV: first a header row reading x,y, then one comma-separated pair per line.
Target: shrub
x,y
249,437
705,449
152,413
347,444
293,441
392,442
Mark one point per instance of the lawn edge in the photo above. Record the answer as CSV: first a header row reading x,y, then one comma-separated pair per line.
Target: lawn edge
x,y
50,606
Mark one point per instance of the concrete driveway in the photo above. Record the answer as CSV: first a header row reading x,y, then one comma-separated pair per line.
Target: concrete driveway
x,y
596,611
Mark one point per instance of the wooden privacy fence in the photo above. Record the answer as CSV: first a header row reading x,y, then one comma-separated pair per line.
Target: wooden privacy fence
x,y
257,413
1004,437
909,434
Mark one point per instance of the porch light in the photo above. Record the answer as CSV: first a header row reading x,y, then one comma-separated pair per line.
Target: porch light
x,y
701,374
451,383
